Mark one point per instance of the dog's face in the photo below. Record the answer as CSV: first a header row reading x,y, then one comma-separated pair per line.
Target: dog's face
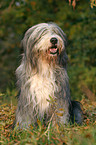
x,y
50,43
45,38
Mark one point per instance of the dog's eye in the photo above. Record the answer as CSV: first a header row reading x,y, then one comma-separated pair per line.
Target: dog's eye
x,y
44,32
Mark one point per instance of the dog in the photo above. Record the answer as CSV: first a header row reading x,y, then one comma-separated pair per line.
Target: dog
x,y
42,79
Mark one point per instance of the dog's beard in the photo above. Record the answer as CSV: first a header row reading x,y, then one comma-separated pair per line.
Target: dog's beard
x,y
50,55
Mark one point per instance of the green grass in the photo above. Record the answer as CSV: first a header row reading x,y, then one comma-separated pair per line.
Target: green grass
x,y
41,135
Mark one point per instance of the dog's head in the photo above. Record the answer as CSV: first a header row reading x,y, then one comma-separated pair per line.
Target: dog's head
x,y
46,39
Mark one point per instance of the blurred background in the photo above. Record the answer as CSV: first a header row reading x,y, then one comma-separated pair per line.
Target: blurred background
x,y
78,21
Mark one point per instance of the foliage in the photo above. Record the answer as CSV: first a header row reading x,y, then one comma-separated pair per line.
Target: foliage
x,y
93,3
41,135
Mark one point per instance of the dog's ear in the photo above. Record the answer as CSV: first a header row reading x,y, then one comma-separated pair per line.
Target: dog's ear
x,y
63,58
65,40
24,42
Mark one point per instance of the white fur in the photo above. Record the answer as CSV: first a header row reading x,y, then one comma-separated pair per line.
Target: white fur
x,y
42,87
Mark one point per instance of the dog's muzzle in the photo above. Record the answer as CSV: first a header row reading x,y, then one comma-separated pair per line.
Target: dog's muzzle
x,y
53,50
54,40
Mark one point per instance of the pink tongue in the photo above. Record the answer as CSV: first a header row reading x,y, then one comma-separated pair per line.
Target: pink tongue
x,y
53,50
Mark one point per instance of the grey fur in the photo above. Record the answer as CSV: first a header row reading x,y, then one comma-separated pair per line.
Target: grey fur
x,y
36,67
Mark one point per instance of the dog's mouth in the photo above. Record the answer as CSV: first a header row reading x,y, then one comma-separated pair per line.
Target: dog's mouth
x,y
53,50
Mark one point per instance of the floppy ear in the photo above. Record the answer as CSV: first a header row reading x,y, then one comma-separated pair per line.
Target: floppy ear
x,y
27,46
63,58
24,42
26,37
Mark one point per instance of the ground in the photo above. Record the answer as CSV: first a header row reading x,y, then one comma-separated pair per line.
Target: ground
x,y
66,135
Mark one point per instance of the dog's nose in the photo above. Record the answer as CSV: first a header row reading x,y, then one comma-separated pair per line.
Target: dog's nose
x,y
53,40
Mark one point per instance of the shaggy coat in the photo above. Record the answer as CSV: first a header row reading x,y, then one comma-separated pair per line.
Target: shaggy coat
x,y
42,78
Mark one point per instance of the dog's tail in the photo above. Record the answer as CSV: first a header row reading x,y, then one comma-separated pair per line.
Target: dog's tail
x,y
76,113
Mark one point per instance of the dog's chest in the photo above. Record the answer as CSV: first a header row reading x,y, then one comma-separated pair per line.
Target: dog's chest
x,y
42,87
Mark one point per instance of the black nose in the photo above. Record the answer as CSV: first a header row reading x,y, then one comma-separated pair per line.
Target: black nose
x,y
53,40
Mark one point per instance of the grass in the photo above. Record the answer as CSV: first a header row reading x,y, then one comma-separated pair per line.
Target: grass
x,y
41,135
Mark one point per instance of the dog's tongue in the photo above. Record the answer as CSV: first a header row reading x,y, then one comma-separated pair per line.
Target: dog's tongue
x,y
53,50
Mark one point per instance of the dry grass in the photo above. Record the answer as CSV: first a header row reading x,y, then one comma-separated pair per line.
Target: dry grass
x,y
71,134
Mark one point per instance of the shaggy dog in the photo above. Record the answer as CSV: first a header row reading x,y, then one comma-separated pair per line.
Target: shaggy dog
x,y
43,80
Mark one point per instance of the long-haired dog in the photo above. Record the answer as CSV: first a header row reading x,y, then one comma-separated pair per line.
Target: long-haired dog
x,y
43,80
